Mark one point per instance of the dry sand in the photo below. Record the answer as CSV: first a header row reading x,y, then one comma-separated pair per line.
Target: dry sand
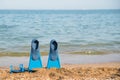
x,y
101,71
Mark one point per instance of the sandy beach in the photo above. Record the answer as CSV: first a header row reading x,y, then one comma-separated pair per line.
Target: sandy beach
x,y
81,38
88,39
74,67
102,71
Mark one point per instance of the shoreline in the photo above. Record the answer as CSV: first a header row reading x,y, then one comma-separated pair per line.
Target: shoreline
x,y
44,53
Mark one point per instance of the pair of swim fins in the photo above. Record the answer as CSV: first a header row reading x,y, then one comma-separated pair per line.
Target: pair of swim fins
x,y
35,58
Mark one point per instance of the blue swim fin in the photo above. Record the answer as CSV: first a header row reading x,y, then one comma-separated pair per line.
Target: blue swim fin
x,y
53,59
35,59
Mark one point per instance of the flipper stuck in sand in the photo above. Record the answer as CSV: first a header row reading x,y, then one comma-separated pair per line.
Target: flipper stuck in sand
x,y
53,59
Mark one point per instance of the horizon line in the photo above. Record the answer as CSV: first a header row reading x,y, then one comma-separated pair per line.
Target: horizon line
x,y
60,9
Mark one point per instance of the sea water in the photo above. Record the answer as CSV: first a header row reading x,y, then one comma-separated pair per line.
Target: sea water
x,y
74,30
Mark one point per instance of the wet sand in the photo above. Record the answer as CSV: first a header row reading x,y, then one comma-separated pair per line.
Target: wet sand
x,y
64,59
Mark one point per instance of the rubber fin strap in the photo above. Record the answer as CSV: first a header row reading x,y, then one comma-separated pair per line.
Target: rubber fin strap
x,y
21,69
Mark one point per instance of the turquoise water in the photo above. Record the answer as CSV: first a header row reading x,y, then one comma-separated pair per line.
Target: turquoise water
x,y
75,30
